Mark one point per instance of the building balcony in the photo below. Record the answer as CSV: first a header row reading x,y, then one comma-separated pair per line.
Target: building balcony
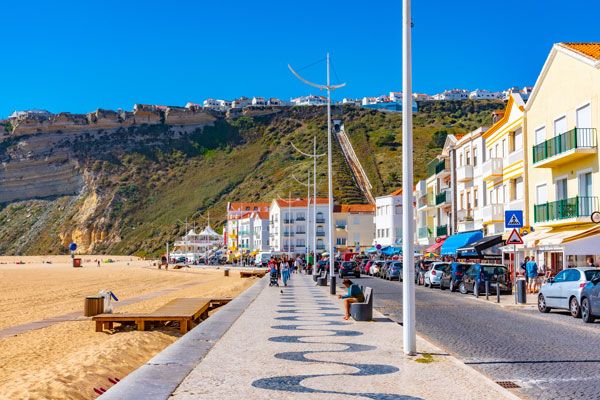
x,y
492,169
425,201
288,233
300,219
492,213
436,167
567,147
464,173
302,232
320,220
464,215
423,232
287,221
566,211
340,226
441,230
322,233
288,248
516,205
443,198
320,247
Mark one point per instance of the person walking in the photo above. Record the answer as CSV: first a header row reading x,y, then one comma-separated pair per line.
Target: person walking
x,y
531,268
285,273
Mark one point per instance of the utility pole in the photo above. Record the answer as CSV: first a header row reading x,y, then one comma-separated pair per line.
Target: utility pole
x,y
408,220
329,87
314,156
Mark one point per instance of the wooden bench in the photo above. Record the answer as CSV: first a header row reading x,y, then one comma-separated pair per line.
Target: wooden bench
x,y
183,310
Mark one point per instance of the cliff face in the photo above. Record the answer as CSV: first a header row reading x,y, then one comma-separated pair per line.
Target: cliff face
x,y
121,182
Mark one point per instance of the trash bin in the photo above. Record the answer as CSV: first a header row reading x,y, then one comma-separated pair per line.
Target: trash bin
x,y
521,291
76,262
93,305
226,272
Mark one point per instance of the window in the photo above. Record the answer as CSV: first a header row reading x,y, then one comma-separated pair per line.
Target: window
x,y
387,232
504,148
468,157
560,125
585,191
561,189
517,140
485,199
474,156
462,201
584,117
540,135
572,275
561,276
460,158
541,192
518,188
475,202
340,241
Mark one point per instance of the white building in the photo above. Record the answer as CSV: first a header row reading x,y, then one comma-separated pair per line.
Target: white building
x,y
288,224
224,104
388,219
356,102
482,94
259,102
236,213
275,102
354,227
470,188
453,94
310,100
396,96
39,113
421,97
241,102
211,103
260,231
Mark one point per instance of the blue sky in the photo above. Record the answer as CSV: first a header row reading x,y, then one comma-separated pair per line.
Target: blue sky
x,y
81,55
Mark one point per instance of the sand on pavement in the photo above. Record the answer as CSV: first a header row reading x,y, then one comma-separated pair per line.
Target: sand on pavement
x,y
68,359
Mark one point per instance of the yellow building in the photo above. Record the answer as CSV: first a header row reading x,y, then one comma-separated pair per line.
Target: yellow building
x,y
503,171
562,116
354,227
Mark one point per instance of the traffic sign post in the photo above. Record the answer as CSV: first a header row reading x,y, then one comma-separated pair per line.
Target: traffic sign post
x,y
514,238
513,219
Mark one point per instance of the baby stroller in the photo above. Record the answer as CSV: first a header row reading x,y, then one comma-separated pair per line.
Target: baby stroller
x,y
273,277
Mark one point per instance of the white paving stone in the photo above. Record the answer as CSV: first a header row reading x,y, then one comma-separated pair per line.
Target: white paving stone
x,y
245,364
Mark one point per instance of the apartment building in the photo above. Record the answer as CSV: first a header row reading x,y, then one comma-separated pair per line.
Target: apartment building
x,y
561,123
469,155
503,170
260,231
354,227
388,219
288,223
238,214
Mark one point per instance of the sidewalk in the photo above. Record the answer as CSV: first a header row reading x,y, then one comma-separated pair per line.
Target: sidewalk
x,y
292,343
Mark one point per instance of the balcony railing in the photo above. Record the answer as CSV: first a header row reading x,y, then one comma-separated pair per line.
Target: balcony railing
x,y
300,219
492,168
340,226
576,138
300,232
426,200
441,230
464,173
493,212
320,247
435,167
574,207
288,220
465,215
288,233
320,220
423,232
442,197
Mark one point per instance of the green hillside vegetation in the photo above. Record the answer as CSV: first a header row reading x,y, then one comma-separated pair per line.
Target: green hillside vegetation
x,y
148,180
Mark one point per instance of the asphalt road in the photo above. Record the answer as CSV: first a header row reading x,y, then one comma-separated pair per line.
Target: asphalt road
x,y
551,356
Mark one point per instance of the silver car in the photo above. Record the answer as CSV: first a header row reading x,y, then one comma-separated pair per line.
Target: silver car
x,y
434,273
564,290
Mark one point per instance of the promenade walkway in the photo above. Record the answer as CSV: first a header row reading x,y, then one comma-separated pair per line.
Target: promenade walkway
x,y
292,343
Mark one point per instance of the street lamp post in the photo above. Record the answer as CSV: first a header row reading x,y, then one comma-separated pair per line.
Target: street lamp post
x,y
408,293
329,87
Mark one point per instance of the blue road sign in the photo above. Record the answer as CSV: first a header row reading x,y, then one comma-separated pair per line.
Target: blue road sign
x,y
73,246
513,218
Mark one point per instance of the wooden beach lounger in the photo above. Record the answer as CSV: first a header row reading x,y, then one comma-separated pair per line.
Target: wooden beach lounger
x,y
248,274
183,310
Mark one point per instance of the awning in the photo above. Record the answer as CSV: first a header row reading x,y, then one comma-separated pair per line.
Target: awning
x,y
391,250
455,242
486,247
559,236
372,250
435,248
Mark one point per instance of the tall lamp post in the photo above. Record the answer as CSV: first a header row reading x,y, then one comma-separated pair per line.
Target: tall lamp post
x,y
408,221
329,87
314,156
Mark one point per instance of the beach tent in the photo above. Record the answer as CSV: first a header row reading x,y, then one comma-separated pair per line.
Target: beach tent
x,y
391,250
372,250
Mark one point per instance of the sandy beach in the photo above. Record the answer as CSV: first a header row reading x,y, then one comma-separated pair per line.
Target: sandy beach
x,y
68,359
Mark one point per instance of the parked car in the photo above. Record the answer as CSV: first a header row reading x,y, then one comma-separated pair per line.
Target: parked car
x,y
349,268
564,291
434,274
590,299
324,265
375,267
477,274
384,268
452,276
394,271
421,268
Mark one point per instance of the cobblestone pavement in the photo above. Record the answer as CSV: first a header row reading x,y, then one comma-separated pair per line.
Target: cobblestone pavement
x,y
292,343
551,356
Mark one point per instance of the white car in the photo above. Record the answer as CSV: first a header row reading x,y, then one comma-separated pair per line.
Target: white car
x,y
434,273
375,268
564,290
